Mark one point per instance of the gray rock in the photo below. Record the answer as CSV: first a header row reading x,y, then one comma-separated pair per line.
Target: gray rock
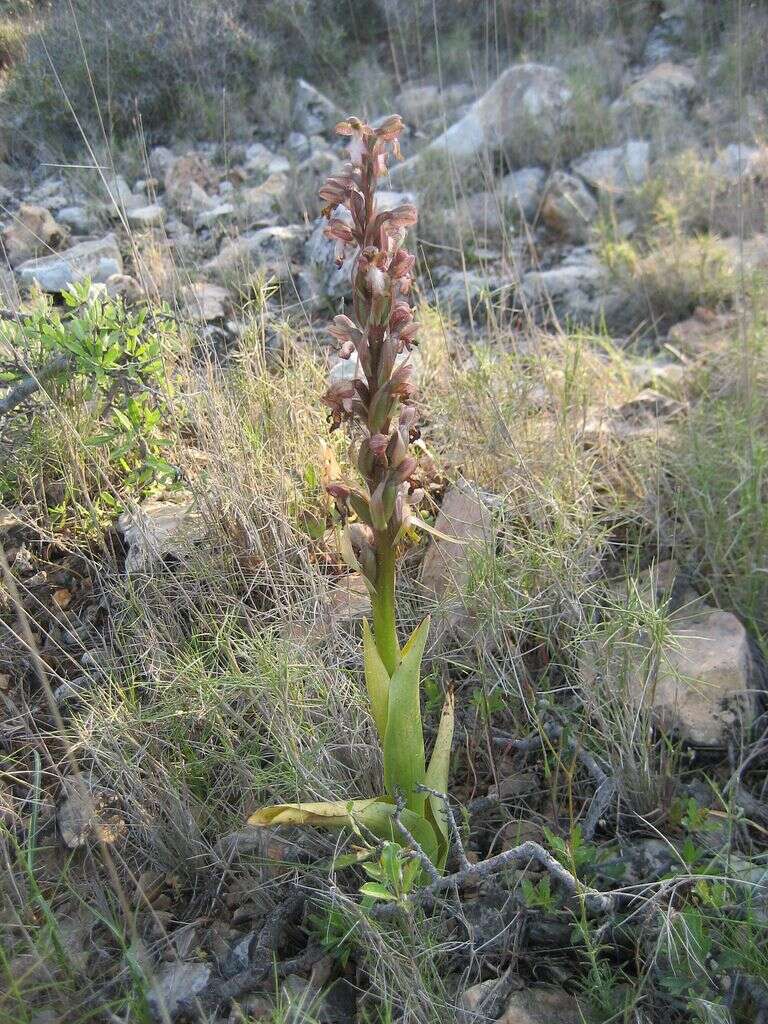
x,y
46,190
571,291
490,215
616,170
79,218
261,160
160,529
125,287
665,86
466,293
218,215
704,681
325,279
568,208
525,99
447,567
206,302
540,1004
33,231
151,216
735,162
174,984
420,104
313,112
522,190
270,248
160,159
96,260
298,144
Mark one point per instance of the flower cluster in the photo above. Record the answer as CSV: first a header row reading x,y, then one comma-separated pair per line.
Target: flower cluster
x,y
378,397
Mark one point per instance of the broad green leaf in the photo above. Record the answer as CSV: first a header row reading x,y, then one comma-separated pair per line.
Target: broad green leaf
x,y
375,815
404,739
437,775
376,681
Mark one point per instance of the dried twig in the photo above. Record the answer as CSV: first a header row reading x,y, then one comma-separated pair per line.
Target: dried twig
x,y
27,387
605,785
527,853
418,850
457,846
222,990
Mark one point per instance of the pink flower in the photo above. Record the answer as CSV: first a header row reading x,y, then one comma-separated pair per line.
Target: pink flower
x,y
343,236
343,329
337,190
340,398
402,264
400,385
378,445
358,133
401,315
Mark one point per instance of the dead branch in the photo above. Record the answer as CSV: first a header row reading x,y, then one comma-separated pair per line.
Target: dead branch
x,y
219,991
27,387
605,786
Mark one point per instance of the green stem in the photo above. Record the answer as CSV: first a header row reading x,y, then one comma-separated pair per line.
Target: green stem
x,y
384,628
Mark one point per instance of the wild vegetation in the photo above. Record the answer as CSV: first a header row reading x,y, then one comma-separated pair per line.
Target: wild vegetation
x,y
548,804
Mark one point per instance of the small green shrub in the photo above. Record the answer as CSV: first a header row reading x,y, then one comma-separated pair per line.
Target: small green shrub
x,y
106,365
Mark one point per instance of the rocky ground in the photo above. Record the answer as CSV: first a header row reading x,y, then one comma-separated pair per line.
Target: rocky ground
x,y
594,443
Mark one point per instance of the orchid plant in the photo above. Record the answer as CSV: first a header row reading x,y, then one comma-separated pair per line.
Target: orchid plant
x,y
377,400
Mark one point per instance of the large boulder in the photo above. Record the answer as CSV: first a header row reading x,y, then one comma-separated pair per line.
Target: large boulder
x,y
702,680
32,233
97,260
568,209
527,106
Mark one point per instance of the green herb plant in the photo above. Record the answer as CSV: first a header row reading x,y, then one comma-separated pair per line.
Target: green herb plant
x,y
101,352
377,400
